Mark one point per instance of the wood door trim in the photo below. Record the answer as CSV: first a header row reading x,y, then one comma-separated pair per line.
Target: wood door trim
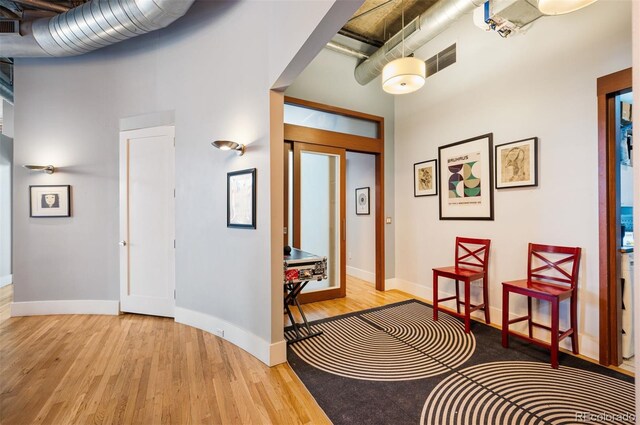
x,y
379,223
615,82
316,136
608,87
288,147
350,143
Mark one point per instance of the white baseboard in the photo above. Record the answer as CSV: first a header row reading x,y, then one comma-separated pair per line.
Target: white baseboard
x,y
6,280
278,353
410,288
270,354
39,308
589,346
361,274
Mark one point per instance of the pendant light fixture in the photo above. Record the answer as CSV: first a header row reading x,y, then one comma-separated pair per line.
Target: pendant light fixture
x,y
560,7
404,75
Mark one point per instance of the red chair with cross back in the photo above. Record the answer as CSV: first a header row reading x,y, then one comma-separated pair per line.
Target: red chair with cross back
x,y
472,263
552,276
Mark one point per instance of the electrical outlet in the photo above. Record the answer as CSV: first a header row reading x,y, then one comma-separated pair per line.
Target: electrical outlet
x,y
219,332
388,221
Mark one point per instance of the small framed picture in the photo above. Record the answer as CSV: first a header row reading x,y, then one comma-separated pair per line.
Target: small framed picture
x,y
50,201
241,199
362,201
425,178
517,164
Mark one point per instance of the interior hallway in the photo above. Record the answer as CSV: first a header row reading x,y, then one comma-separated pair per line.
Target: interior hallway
x,y
144,369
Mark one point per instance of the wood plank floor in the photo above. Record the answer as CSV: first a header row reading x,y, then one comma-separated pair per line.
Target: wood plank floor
x,y
133,369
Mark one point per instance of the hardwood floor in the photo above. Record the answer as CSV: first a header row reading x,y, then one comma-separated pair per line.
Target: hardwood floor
x,y
6,296
361,295
148,370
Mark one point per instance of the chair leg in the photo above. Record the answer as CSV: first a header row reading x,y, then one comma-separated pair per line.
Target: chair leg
x,y
555,323
435,296
457,297
467,314
530,321
505,317
485,299
574,325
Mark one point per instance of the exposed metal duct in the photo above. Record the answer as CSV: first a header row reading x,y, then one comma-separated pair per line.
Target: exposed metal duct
x,y
416,34
341,48
93,25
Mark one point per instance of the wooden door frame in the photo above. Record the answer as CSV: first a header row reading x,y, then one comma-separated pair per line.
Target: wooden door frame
x,y
608,87
352,143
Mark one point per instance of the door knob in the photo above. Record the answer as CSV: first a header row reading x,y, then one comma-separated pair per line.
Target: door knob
x,y
122,243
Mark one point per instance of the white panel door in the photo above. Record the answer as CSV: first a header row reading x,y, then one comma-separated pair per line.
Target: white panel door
x,y
147,221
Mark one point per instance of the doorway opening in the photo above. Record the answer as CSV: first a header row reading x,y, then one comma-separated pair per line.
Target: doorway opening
x,y
615,141
318,140
361,179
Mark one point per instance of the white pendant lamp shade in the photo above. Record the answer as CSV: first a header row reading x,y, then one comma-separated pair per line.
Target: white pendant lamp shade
x,y
560,7
403,75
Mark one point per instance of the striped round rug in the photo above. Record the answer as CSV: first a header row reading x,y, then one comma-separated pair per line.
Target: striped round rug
x,y
389,344
513,392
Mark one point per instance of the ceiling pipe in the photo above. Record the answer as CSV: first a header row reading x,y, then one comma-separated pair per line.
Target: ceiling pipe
x,y
89,27
417,33
40,4
341,48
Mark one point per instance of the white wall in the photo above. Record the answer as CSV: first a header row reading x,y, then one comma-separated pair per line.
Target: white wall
x,y
361,230
6,189
6,166
329,79
543,84
6,163
214,69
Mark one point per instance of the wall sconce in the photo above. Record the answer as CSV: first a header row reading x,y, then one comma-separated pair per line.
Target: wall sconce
x,y
49,169
227,145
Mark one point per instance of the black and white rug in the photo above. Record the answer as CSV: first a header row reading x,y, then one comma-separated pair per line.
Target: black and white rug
x,y
395,365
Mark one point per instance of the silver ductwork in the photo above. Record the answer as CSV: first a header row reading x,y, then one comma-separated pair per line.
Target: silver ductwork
x,y
93,25
341,48
416,34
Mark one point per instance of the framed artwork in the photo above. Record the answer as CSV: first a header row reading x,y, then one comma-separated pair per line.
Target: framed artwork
x,y
362,201
466,186
517,164
241,199
425,178
50,201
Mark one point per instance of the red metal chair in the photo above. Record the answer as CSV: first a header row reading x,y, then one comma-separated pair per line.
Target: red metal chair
x,y
553,278
472,263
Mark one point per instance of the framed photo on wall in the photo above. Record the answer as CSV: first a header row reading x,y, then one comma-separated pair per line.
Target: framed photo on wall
x,y
362,201
241,199
425,178
466,186
50,201
517,164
